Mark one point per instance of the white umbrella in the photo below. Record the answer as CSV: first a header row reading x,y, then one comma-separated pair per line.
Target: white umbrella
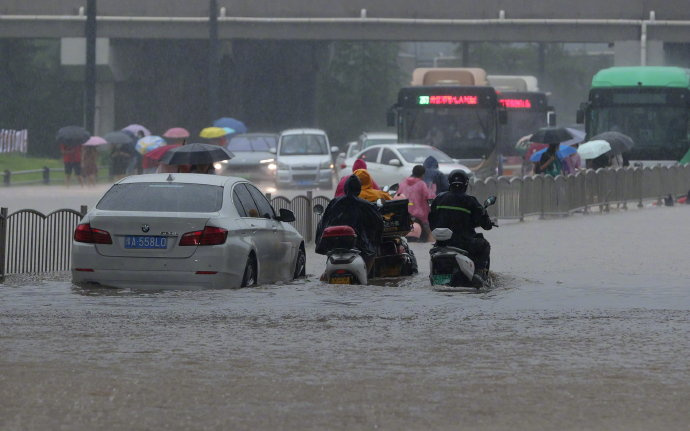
x,y
593,149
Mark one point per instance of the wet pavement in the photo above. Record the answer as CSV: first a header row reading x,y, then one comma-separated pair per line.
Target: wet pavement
x,y
587,328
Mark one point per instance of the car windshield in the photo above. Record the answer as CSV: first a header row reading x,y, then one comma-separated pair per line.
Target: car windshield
x,y
418,155
162,197
252,143
376,141
297,145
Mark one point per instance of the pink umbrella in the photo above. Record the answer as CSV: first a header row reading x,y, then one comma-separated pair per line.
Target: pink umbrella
x,y
176,133
95,141
136,128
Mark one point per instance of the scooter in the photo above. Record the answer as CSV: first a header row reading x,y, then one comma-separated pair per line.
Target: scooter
x,y
452,266
344,263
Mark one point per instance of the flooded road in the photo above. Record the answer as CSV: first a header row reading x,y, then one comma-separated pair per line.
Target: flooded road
x,y
589,328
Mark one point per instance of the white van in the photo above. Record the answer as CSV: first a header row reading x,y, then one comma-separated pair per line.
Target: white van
x,y
303,158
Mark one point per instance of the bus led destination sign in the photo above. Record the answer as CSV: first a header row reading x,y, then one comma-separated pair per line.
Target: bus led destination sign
x,y
516,103
448,100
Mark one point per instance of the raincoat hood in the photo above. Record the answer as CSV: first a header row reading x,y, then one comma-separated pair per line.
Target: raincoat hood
x,y
353,186
359,164
368,192
410,181
431,163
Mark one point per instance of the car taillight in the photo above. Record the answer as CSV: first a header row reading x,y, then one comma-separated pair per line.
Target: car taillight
x,y
343,166
85,233
211,235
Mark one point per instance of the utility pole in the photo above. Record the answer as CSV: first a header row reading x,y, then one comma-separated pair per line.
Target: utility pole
x,y
213,61
90,68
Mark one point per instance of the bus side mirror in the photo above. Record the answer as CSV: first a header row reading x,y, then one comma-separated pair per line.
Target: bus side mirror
x,y
502,116
551,117
390,118
580,117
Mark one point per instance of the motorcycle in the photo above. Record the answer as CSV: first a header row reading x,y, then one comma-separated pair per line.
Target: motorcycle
x,y
344,263
452,266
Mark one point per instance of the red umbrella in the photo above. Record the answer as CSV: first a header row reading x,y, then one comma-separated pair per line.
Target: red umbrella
x,y
159,152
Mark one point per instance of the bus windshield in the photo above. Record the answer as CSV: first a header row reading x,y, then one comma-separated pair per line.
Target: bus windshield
x,y
660,132
459,132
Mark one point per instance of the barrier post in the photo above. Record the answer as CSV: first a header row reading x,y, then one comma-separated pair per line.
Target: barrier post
x,y
3,241
310,217
6,177
83,210
46,175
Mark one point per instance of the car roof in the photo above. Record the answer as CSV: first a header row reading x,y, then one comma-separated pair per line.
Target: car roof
x,y
396,145
214,180
253,134
303,132
380,135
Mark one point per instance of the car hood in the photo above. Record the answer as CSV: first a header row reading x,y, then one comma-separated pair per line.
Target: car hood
x,y
314,159
250,157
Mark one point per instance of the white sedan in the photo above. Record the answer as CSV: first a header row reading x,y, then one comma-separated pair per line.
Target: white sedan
x,y
185,231
391,163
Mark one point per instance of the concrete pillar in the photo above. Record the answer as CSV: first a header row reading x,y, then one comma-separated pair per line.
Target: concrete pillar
x,y
105,108
627,53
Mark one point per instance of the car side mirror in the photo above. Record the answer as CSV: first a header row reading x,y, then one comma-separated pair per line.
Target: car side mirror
x,y
334,149
395,162
286,215
502,116
318,209
390,118
551,118
489,201
580,116
273,151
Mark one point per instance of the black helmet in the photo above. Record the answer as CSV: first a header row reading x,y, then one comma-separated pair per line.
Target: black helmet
x,y
458,180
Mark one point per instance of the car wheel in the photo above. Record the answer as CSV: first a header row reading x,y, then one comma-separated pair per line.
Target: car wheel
x,y
301,264
250,273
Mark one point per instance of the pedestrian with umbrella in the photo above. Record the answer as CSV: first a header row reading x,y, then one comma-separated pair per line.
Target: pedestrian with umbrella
x,y
236,125
89,159
217,135
176,135
200,156
70,140
121,154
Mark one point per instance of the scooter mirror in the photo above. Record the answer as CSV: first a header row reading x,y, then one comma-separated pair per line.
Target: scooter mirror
x,y
489,201
318,209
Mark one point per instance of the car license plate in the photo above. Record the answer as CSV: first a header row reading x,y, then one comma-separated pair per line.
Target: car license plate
x,y
141,241
340,280
441,278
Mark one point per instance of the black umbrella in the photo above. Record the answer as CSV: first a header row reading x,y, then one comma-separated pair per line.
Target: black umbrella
x,y
620,143
196,154
552,135
120,138
72,136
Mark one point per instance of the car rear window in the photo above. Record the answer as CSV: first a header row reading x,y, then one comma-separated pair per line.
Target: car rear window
x,y
162,197
252,143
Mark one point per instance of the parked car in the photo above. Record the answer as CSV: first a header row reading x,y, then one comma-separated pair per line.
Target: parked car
x,y
254,159
304,159
391,163
185,231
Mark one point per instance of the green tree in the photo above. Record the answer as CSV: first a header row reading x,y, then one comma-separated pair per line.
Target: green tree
x,y
34,94
356,87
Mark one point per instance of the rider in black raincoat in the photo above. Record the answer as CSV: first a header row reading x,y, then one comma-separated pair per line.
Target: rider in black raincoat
x,y
360,215
462,213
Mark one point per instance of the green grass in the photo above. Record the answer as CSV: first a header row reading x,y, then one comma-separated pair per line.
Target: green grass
x,y
14,162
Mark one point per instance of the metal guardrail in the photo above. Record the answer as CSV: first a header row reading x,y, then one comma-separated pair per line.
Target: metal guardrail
x,y
33,242
8,177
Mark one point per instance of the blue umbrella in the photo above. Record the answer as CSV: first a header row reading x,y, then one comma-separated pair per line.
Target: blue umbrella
x,y
231,123
563,152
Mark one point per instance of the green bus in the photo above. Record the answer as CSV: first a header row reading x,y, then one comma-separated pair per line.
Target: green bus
x,y
648,103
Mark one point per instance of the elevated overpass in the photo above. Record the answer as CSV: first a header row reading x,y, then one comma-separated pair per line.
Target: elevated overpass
x,y
394,20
